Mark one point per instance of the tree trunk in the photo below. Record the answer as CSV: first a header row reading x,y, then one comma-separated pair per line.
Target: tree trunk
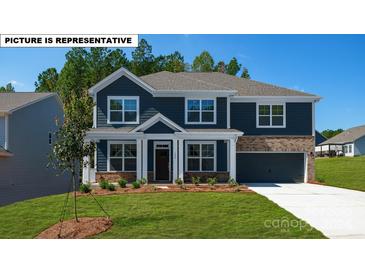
x,y
74,183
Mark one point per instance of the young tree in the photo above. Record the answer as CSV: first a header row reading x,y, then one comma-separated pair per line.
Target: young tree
x,y
245,74
8,88
233,67
203,63
47,81
69,148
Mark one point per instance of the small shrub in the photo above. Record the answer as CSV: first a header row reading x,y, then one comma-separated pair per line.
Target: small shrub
x,y
143,181
232,182
122,183
212,181
85,188
195,180
320,179
111,187
179,181
104,184
136,184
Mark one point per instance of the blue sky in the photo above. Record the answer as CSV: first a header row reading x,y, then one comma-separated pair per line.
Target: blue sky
x,y
332,66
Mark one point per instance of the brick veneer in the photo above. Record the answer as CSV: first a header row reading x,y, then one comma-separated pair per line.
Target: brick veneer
x,y
281,144
115,176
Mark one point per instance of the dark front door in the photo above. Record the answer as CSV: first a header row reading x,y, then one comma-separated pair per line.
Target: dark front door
x,y
162,164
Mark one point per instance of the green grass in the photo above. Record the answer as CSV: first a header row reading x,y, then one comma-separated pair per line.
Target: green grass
x,y
162,215
346,172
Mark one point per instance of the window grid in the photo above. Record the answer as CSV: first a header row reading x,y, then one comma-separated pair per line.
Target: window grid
x,y
272,112
123,105
205,106
201,157
121,155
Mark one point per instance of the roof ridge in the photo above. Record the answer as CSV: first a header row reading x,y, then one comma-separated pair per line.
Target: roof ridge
x,y
202,81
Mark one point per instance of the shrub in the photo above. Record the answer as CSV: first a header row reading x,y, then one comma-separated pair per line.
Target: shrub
x,y
143,181
195,180
179,181
85,188
111,187
122,183
136,184
212,181
104,184
232,182
320,179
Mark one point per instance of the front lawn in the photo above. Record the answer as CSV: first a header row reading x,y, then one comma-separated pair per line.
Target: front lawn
x,y
346,172
164,215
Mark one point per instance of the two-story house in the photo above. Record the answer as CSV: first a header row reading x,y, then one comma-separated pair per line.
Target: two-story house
x,y
27,127
168,125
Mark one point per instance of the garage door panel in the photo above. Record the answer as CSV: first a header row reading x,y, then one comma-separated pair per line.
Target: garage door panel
x,y
270,167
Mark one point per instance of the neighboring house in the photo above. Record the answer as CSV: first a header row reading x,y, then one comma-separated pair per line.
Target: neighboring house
x,y
168,125
350,143
27,126
319,138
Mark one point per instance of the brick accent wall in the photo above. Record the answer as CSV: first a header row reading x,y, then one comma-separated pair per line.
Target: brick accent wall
x,y
222,176
115,176
281,144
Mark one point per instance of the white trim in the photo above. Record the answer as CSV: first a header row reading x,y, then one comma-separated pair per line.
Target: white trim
x,y
181,159
271,115
6,127
139,160
201,111
174,160
145,158
155,144
194,93
228,112
243,99
232,158
123,98
155,119
119,143
313,120
200,156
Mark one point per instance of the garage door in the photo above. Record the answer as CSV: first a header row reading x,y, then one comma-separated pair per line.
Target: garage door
x,y
270,167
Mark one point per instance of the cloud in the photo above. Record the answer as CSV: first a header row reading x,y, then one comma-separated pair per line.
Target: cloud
x,y
16,83
243,56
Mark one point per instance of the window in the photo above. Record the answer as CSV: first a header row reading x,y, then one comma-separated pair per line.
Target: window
x,y
123,110
122,156
270,115
344,149
350,148
200,156
50,138
200,111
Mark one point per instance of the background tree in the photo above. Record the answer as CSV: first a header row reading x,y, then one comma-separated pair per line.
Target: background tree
x,y
8,88
245,74
233,67
329,133
220,67
203,63
173,62
47,81
143,61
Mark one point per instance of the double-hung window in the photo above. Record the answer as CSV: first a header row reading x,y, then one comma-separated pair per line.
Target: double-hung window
x,y
200,111
270,115
123,110
200,156
122,156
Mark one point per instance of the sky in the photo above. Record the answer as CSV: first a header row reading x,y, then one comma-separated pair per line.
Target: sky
x,y
331,66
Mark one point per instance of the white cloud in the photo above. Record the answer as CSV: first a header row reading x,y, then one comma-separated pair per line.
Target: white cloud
x,y
16,83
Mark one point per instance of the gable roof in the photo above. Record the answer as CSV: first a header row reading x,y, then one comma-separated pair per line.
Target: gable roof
x,y
348,136
158,118
12,101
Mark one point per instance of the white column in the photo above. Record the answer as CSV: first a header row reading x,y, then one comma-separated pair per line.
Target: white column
x,y
174,160
139,159
181,159
86,170
145,158
232,158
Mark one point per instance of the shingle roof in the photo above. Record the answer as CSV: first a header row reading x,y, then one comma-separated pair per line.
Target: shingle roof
x,y
215,81
347,136
14,100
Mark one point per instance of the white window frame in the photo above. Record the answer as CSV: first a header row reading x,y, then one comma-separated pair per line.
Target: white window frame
x,y
123,110
122,157
270,104
201,111
200,156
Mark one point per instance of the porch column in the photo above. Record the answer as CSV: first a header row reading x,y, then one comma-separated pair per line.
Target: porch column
x,y
86,170
232,158
181,159
174,160
145,158
139,159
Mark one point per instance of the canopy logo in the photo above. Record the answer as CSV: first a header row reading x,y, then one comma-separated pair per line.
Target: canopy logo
x,y
68,40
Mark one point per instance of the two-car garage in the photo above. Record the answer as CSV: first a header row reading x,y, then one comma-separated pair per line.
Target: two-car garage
x,y
270,167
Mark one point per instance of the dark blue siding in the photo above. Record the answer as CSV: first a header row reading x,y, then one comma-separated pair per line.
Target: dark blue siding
x,y
159,127
101,153
172,107
298,119
221,155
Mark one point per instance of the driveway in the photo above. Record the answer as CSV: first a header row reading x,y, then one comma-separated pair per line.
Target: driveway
x,y
337,212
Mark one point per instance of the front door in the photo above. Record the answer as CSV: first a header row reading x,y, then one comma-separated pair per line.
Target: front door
x,y
162,162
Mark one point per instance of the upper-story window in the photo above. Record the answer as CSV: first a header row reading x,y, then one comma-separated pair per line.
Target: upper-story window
x,y
123,110
200,111
271,115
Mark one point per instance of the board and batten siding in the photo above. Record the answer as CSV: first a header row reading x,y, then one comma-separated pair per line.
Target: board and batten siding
x,y
298,119
25,174
172,107
2,131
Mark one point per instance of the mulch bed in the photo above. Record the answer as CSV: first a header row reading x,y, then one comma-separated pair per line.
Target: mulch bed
x,y
86,227
315,183
169,188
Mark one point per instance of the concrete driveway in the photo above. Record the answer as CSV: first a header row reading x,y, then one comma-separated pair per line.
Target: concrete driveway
x,y
337,212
